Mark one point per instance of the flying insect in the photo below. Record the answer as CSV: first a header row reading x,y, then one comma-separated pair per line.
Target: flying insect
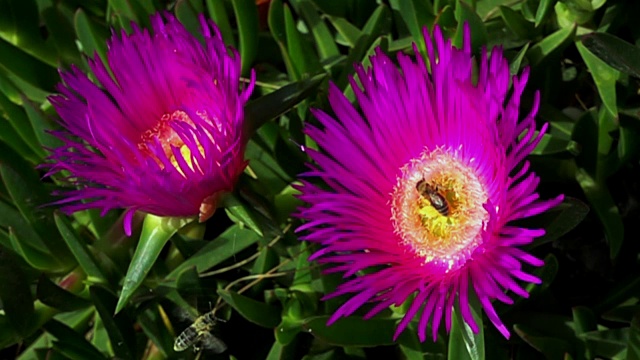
x,y
199,332
432,193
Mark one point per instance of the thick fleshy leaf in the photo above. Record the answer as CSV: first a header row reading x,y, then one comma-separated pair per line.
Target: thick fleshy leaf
x,y
516,62
279,351
607,343
560,220
622,314
516,22
19,23
241,213
123,13
299,50
57,297
246,14
279,32
550,144
584,319
20,122
550,45
17,302
71,343
26,67
229,243
606,208
61,33
633,345
614,51
550,347
570,12
80,250
352,331
43,261
154,322
118,327
92,37
156,231
544,8
417,14
255,311
604,76
547,273
265,108
324,40
29,196
218,14
287,330
463,342
466,16
349,32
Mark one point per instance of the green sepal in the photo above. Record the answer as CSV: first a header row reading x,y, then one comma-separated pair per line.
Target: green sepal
x,y
156,231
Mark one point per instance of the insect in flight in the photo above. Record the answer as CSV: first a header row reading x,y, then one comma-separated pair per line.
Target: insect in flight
x,y
432,193
200,332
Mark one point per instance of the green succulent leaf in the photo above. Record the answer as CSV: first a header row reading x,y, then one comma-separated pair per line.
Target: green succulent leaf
x,y
156,231
71,343
604,76
57,297
17,301
255,311
550,45
614,51
81,251
463,342
247,18
259,111
352,331
119,327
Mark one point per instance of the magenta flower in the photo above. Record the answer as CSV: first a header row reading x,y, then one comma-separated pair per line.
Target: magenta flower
x,y
421,190
164,133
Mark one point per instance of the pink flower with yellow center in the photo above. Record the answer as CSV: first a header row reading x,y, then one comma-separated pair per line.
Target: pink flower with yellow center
x,y
163,134
422,190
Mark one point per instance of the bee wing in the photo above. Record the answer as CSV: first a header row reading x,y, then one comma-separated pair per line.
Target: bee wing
x,y
212,343
184,314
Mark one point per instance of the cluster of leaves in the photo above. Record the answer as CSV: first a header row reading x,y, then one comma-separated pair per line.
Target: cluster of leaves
x,y
62,278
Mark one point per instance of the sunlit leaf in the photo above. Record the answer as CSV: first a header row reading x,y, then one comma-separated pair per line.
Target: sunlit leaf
x,y
246,14
604,76
463,342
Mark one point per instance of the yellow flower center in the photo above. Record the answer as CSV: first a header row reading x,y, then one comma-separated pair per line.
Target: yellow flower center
x,y
437,208
168,139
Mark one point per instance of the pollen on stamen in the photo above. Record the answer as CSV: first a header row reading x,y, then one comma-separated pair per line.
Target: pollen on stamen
x,y
169,138
444,239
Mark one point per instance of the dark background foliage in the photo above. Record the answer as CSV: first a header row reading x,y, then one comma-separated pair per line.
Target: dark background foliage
x,y
61,277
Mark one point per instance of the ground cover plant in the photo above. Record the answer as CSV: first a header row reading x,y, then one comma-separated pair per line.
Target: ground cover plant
x,y
319,179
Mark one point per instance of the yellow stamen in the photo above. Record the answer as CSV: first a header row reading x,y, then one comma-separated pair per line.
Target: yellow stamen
x,y
434,234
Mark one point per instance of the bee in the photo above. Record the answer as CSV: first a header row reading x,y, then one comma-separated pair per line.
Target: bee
x,y
432,193
200,332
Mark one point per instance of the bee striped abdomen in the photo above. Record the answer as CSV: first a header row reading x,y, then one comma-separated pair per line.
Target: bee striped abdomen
x,y
432,194
185,339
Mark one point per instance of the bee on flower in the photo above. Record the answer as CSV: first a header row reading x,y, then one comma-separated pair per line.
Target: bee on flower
x,y
423,185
